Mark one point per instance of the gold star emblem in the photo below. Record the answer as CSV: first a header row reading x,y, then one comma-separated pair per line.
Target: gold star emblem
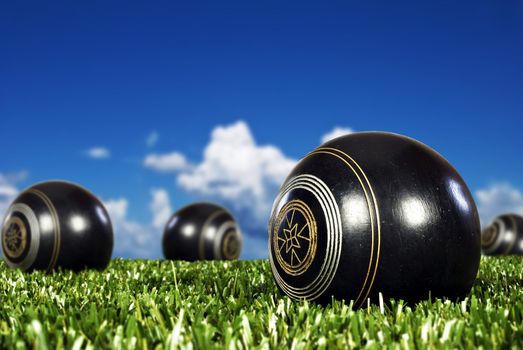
x,y
291,238
295,237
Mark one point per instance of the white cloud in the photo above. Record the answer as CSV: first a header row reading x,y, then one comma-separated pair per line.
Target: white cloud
x,y
236,172
336,132
117,208
98,153
497,199
160,207
133,239
169,162
152,139
239,172
9,190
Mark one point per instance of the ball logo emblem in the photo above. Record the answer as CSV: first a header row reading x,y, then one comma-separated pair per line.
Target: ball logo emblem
x,y
14,237
231,246
489,235
295,237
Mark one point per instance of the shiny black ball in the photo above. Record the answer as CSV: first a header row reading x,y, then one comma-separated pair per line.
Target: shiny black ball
x,y
57,224
202,231
504,236
372,213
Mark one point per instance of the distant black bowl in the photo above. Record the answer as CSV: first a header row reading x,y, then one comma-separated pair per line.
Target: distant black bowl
x,y
202,231
504,236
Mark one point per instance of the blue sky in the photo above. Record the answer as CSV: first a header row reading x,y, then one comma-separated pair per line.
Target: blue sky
x,y
200,79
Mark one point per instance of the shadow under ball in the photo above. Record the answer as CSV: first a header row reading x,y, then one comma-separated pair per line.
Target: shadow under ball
x,y
202,231
504,236
57,224
374,212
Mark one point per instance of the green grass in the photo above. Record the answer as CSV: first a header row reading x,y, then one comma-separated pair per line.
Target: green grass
x,y
139,304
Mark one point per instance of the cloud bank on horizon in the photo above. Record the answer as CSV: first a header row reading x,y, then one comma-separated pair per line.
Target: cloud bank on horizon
x,y
235,171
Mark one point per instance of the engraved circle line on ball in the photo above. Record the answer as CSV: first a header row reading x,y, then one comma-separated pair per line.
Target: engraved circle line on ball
x,y
203,232
327,267
312,296
34,227
502,228
56,223
514,235
330,210
316,286
235,235
219,235
305,211
488,237
16,223
330,151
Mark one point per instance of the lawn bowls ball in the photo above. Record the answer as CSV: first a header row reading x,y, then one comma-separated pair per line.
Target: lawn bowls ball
x,y
202,231
371,213
504,236
57,224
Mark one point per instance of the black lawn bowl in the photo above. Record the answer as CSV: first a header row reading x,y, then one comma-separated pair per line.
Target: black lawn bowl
x,y
371,213
202,231
57,224
504,236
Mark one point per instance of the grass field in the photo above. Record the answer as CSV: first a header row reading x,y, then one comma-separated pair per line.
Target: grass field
x,y
138,304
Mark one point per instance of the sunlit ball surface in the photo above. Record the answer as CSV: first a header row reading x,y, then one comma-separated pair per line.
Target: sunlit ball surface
x,y
371,213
